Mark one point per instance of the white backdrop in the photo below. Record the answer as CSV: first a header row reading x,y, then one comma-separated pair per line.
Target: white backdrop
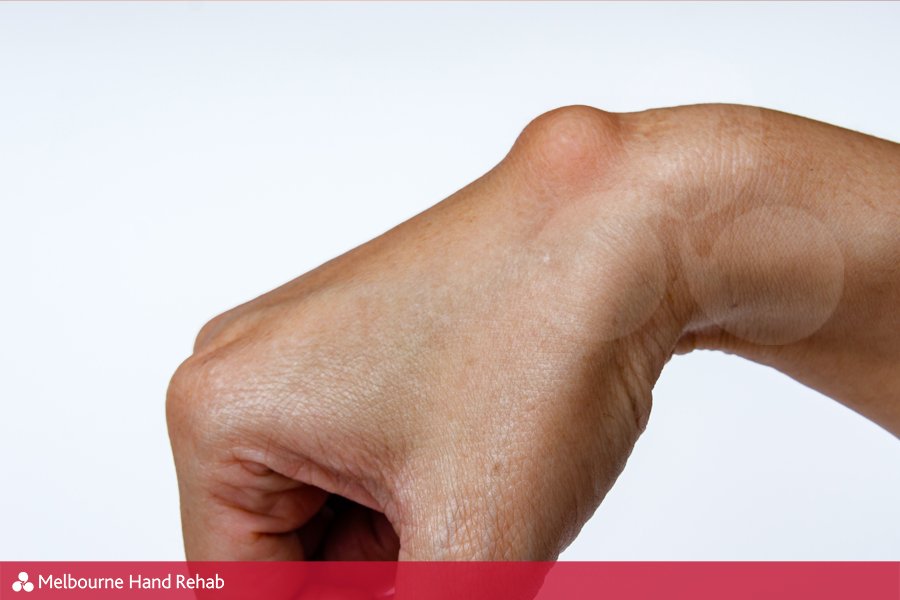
x,y
160,163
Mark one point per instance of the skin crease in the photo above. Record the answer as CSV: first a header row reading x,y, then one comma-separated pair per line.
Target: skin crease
x,y
473,381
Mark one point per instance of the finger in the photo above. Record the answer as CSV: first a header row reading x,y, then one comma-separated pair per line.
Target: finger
x,y
244,512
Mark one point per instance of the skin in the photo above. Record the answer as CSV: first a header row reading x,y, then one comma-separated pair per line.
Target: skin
x,y
472,382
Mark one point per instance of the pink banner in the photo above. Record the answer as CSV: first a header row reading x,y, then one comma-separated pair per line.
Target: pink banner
x,y
438,581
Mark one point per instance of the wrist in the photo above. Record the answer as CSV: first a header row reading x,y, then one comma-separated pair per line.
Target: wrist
x,y
752,254
785,235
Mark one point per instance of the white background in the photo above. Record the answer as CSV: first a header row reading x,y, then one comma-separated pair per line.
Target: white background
x,y
162,163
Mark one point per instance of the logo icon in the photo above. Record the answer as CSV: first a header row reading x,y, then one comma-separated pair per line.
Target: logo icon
x,y
23,583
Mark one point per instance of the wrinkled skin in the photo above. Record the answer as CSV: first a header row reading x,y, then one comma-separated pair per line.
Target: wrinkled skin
x,y
472,382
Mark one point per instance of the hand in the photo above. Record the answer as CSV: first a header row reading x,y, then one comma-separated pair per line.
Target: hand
x,y
472,382
478,375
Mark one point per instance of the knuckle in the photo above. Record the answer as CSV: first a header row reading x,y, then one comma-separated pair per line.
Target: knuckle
x,y
194,393
230,326
179,399
212,329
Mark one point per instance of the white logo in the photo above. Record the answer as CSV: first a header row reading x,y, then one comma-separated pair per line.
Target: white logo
x,y
23,583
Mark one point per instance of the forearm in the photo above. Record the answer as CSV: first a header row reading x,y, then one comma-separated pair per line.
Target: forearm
x,y
786,234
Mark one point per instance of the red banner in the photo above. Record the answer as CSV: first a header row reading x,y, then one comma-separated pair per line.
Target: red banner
x,y
439,581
